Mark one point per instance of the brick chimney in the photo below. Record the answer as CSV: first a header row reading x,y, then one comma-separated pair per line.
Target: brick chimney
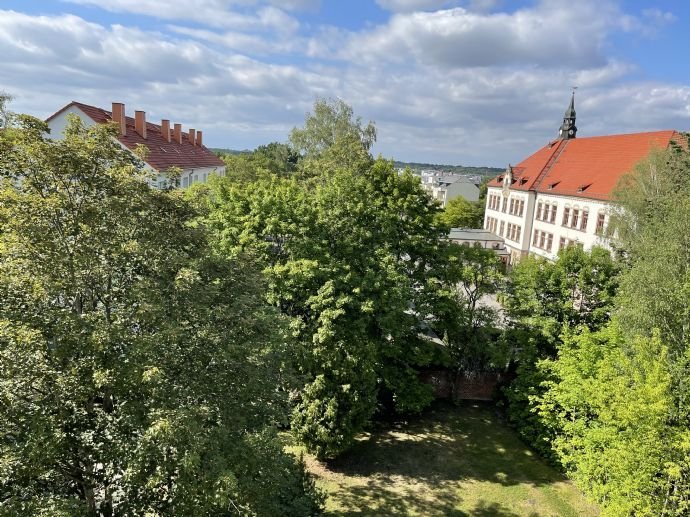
x,y
165,129
199,140
118,115
140,123
177,133
192,136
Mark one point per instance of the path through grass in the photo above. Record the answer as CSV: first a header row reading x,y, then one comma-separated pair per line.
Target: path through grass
x,y
453,461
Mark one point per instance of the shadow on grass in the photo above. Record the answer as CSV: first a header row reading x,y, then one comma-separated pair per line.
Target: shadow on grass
x,y
448,443
390,503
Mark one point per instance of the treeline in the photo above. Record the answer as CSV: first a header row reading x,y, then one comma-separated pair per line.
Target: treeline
x,y
154,344
450,169
602,348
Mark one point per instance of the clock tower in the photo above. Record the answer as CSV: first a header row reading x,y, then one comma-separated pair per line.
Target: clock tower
x,y
568,129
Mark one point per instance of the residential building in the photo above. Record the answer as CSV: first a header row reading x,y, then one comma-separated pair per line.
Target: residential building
x,y
168,145
561,194
444,187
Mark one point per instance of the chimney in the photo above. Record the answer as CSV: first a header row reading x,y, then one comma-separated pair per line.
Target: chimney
x,y
177,133
140,123
165,129
118,115
192,138
199,141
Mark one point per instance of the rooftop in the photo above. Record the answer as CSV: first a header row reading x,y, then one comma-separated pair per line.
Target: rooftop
x,y
162,154
585,167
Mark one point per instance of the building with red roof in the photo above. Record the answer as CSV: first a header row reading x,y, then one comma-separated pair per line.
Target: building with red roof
x,y
561,194
168,146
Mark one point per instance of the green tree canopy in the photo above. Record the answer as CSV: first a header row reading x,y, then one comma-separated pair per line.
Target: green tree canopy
x,y
461,213
331,133
140,373
653,232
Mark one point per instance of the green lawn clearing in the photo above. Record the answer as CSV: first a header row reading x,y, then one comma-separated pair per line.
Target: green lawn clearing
x,y
453,460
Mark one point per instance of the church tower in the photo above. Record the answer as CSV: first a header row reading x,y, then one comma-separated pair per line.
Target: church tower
x,y
568,129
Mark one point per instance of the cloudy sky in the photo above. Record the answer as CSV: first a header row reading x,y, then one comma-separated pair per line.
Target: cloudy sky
x,y
473,82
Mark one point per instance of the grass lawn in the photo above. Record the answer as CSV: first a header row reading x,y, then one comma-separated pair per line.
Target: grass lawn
x,y
453,460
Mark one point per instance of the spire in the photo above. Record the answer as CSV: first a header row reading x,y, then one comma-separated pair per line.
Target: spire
x,y
568,129
570,112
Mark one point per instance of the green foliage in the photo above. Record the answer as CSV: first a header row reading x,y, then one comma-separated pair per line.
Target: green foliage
x,y
331,123
465,318
543,300
610,403
140,372
652,229
5,115
460,213
349,250
345,256
271,159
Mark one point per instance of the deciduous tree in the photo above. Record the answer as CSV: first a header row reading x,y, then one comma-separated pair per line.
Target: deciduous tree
x,y
140,373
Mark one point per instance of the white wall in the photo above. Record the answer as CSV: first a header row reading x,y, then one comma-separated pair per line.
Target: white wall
x,y
521,247
587,236
58,124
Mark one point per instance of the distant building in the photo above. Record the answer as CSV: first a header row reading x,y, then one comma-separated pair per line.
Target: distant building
x,y
482,238
561,194
444,187
167,146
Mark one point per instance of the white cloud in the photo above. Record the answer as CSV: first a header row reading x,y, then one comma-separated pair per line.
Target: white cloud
x,y
547,35
432,98
214,13
412,5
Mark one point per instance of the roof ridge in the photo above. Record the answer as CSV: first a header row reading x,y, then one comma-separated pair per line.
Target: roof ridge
x,y
549,164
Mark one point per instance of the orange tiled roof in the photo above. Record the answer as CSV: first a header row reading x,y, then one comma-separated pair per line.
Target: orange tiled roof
x,y
585,167
162,154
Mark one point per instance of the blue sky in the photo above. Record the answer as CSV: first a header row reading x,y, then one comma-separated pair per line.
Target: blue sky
x,y
475,82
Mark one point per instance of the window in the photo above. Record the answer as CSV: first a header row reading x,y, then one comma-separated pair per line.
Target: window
x,y
601,219
512,205
500,232
540,207
185,182
505,204
522,207
576,218
562,243
542,240
585,218
566,216
514,231
552,220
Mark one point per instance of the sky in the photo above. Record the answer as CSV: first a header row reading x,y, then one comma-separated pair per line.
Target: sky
x,y
463,82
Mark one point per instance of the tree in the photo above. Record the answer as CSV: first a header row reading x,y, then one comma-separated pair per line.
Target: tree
x,y
543,300
466,320
332,134
4,111
140,373
461,213
651,228
346,255
610,405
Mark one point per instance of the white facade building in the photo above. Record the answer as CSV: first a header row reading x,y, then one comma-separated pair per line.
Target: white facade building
x,y
168,146
561,195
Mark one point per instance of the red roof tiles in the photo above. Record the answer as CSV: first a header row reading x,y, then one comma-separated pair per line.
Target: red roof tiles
x,y
162,154
585,167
